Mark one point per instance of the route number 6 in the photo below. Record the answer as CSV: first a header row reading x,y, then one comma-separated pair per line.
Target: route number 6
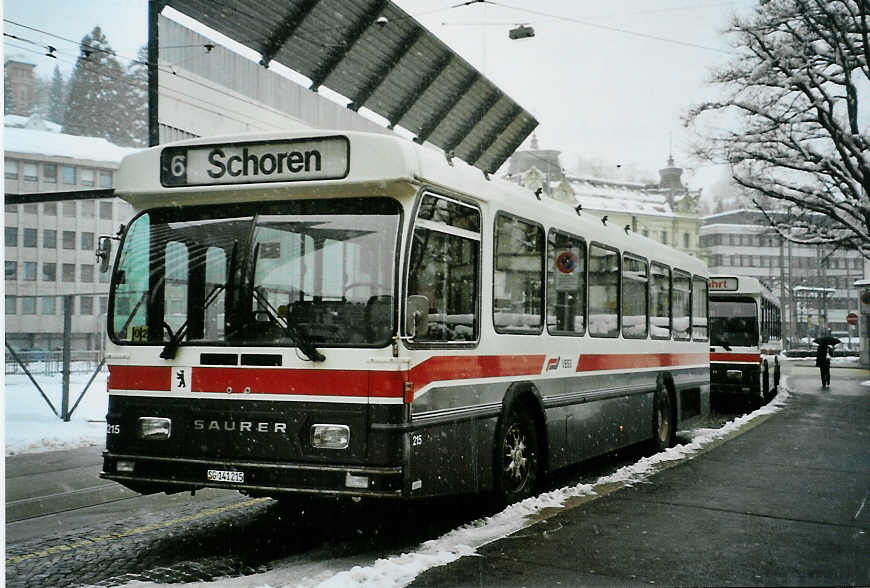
x,y
178,165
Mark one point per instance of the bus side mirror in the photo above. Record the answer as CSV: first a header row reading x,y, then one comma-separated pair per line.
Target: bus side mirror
x,y
417,315
104,253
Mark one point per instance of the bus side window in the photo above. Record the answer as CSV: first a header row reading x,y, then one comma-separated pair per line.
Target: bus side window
x,y
682,304
604,273
699,308
444,267
518,276
660,301
635,297
566,284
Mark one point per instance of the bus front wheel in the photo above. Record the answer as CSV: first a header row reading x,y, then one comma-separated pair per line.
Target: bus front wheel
x,y
517,465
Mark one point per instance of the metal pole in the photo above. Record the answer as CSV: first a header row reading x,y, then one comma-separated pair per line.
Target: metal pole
x,y
153,56
782,299
67,345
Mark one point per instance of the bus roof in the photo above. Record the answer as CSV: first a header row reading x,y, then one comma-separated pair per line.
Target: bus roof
x,y
324,163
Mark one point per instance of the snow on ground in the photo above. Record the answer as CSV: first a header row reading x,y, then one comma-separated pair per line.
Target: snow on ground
x,y
31,426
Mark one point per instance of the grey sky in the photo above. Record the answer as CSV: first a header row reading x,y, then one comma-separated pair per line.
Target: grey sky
x,y
597,92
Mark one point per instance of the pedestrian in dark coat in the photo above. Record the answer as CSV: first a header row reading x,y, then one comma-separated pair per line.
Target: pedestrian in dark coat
x,y
823,361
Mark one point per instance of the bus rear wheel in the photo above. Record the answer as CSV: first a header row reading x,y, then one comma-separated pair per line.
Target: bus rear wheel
x,y
517,464
664,424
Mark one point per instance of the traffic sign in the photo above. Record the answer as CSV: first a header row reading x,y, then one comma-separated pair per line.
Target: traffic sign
x,y
852,318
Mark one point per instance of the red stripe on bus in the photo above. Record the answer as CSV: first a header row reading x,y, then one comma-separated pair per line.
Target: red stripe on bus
x,y
596,362
467,367
139,377
744,357
281,381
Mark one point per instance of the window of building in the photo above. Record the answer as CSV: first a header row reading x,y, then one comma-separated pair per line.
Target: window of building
x,y
30,172
69,174
49,239
11,236
49,208
105,179
68,272
86,305
11,270
49,173
69,208
28,304
11,304
686,240
10,169
604,270
87,177
30,238
47,305
87,208
518,279
566,284
665,237
69,239
445,269
31,209
635,280
106,209
87,272
49,272
104,304
30,271
87,241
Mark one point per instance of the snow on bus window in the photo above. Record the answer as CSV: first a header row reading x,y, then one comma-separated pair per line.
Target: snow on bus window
x,y
518,277
635,279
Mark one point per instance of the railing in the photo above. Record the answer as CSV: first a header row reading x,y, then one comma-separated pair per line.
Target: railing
x,y
51,362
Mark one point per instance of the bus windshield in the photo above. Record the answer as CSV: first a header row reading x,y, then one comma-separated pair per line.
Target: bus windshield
x,y
277,273
733,322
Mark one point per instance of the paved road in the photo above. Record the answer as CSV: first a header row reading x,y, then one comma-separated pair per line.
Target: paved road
x,y
786,503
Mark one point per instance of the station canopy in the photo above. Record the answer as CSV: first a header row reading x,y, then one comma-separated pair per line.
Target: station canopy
x,y
378,57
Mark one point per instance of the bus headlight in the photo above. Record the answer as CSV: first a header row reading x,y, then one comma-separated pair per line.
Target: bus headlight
x,y
155,428
330,436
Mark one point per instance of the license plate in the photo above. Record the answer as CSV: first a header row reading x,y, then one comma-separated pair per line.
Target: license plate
x,y
225,476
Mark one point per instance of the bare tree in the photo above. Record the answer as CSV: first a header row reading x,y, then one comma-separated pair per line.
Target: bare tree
x,y
799,92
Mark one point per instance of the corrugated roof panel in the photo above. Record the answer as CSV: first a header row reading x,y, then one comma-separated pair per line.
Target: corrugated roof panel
x,y
398,70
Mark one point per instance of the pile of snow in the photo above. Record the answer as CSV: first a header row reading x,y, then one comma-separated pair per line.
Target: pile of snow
x,y
30,424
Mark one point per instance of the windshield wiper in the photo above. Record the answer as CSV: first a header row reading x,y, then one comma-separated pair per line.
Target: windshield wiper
x,y
171,348
297,335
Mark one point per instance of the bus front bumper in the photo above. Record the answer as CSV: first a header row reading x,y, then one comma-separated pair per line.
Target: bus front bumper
x,y
149,474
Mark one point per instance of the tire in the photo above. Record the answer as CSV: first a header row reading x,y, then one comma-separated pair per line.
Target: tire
x,y
664,423
517,465
765,383
756,400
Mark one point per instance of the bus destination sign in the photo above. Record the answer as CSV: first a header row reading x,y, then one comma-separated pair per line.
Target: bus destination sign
x,y
723,284
322,158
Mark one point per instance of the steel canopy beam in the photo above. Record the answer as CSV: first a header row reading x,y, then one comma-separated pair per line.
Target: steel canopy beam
x,y
484,143
448,103
424,83
387,65
285,30
350,39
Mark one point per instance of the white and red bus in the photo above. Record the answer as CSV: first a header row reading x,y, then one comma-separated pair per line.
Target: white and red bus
x,y
342,313
745,329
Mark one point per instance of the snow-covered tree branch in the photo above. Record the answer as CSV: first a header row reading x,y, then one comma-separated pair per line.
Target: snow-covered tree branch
x,y
793,116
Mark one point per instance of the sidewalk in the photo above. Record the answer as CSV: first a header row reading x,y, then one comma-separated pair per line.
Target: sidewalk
x,y
785,503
